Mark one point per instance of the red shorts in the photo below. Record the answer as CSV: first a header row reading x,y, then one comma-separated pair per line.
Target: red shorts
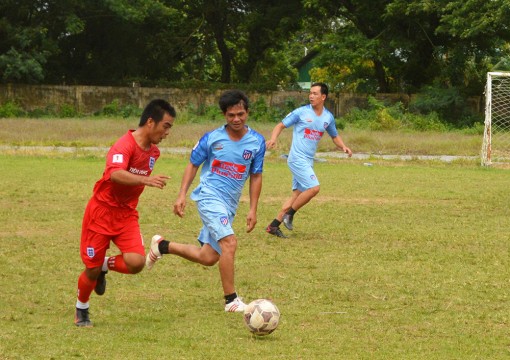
x,y
102,224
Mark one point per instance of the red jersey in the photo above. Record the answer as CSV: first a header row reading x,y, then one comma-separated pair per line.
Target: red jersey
x,y
125,154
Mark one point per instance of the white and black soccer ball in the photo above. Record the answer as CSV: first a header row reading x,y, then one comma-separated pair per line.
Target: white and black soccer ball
x,y
261,316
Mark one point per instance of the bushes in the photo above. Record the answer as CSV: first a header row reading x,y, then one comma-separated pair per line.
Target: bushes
x,y
261,112
68,111
449,104
380,117
11,109
115,109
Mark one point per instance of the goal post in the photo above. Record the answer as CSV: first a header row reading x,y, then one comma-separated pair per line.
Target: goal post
x,y
496,134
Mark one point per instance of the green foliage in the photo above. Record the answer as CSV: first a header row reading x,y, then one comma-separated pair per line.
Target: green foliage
x,y
478,128
261,112
377,115
10,110
67,111
502,65
207,112
364,45
192,114
54,111
340,123
130,110
258,109
17,66
381,117
39,114
402,46
428,122
116,109
111,109
211,85
448,103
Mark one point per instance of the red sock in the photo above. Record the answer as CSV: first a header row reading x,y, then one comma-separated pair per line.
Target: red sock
x,y
85,287
116,263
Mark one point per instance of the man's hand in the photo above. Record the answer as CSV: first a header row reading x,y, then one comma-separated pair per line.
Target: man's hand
x,y
158,181
346,150
270,143
251,221
179,206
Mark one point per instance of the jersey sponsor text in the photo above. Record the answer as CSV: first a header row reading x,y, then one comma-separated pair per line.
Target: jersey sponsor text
x,y
136,171
228,169
314,135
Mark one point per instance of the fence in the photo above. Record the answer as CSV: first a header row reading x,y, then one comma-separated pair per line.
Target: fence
x,y
91,99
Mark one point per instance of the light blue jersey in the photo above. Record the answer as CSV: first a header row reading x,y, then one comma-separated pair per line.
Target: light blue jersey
x,y
226,165
308,130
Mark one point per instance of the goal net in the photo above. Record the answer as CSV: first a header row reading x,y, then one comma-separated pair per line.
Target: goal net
x,y
496,135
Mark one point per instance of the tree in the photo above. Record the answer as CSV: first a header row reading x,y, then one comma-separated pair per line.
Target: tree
x,y
479,39
410,44
266,27
123,41
363,45
91,42
218,16
358,23
25,43
248,33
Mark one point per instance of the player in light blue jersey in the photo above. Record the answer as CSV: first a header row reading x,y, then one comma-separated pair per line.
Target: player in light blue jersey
x,y
229,156
310,123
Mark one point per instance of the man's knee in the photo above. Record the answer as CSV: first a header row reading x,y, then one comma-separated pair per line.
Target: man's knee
x,y
229,244
135,264
93,273
315,190
208,256
208,261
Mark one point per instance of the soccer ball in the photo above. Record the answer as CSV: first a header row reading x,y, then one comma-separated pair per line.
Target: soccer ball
x,y
261,317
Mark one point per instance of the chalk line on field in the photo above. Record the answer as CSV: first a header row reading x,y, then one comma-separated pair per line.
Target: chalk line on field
x,y
320,157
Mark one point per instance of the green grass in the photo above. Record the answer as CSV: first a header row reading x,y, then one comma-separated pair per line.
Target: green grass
x,y
401,260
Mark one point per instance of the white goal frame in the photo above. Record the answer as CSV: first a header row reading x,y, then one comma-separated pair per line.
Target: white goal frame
x,y
496,132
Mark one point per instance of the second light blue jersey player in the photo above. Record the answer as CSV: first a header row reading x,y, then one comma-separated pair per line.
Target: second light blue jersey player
x,y
308,131
310,123
226,165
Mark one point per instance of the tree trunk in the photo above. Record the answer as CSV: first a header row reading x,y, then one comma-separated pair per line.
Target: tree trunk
x,y
380,74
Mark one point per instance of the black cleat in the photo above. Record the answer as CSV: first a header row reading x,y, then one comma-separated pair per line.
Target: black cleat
x,y
275,230
101,283
287,221
81,318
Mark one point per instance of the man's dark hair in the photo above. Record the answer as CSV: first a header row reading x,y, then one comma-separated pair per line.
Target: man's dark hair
x,y
324,88
156,109
233,97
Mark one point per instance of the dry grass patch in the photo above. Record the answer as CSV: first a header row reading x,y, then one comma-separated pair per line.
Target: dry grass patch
x,y
81,132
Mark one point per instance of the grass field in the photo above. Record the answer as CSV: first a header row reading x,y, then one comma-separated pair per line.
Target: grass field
x,y
86,132
401,260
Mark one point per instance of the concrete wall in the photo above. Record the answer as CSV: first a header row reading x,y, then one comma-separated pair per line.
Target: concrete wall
x,y
90,99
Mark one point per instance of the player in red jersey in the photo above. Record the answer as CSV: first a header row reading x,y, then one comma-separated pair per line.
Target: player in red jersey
x,y
111,213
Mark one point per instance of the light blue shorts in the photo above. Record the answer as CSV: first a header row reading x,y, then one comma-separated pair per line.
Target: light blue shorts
x,y
217,222
303,176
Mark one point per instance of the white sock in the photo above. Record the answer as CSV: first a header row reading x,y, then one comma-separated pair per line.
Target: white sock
x,y
81,305
105,264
